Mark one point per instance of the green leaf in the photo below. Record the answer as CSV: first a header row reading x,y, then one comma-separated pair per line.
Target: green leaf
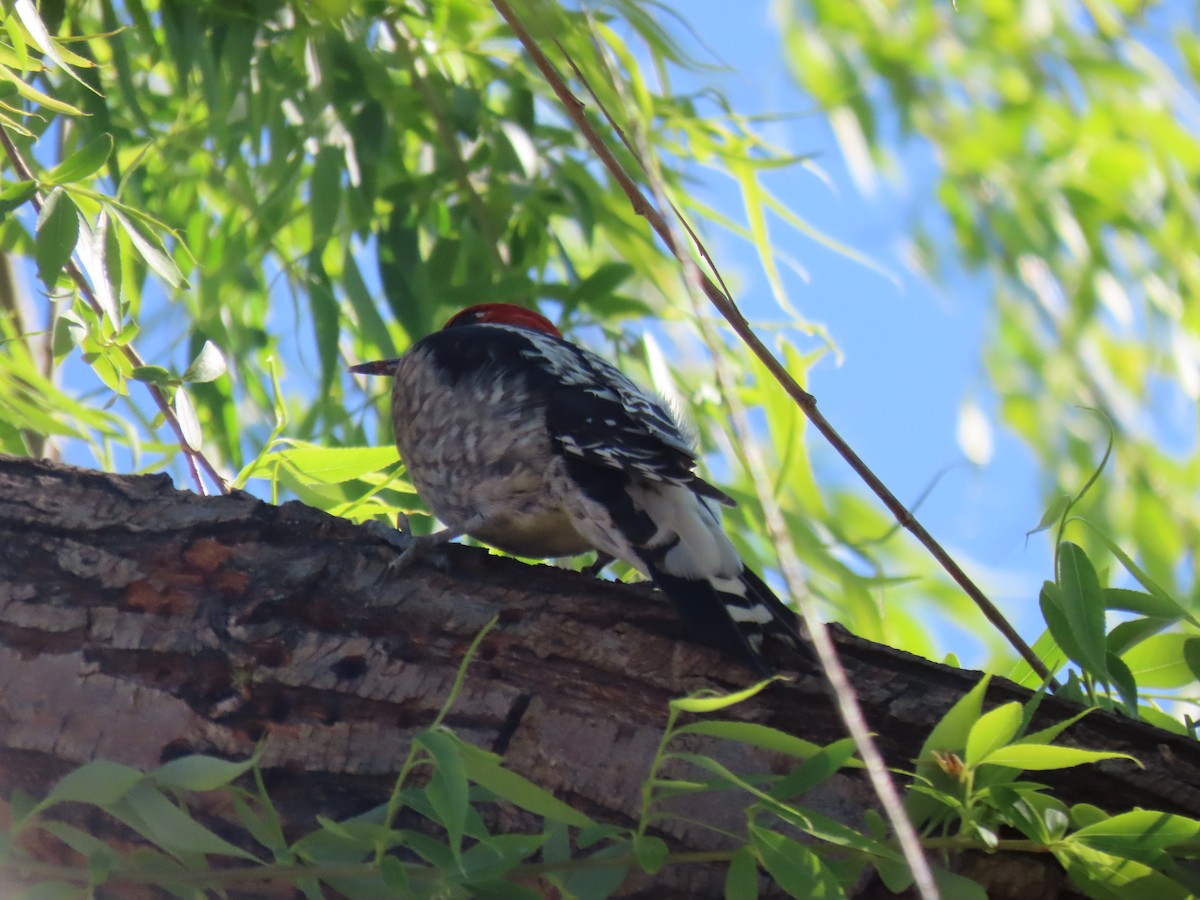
x,y
151,250
447,788
395,876
485,769
199,773
1191,655
189,424
706,702
1052,514
741,879
313,464
83,163
495,855
325,194
794,867
326,322
1127,635
153,375
753,734
651,852
209,365
1135,833
1141,602
163,823
99,782
949,735
993,730
1123,680
38,34
1083,608
1043,757
57,234
816,770
952,885
1163,599
15,195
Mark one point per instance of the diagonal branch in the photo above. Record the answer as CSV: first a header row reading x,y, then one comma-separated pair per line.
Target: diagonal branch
x,y
728,309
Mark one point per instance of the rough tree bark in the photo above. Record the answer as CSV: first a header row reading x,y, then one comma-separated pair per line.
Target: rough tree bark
x,y
139,623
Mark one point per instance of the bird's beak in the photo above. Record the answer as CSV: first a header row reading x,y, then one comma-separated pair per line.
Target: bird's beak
x,y
379,367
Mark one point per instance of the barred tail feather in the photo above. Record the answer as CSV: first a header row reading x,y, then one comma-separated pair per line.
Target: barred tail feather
x,y
717,616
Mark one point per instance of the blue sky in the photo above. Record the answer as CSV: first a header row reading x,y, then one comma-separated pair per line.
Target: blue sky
x,y
912,349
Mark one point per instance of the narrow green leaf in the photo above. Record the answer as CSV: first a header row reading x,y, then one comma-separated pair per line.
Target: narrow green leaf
x,y
741,880
209,365
1163,598
57,234
1044,757
189,424
83,163
1052,514
1083,607
314,464
485,769
153,375
1127,636
99,782
651,852
447,788
1141,602
704,703
395,876
199,773
1160,661
325,194
326,323
495,855
794,867
1139,830
32,94
816,770
151,250
1051,605
166,825
15,195
951,885
755,735
1191,655
41,38
994,729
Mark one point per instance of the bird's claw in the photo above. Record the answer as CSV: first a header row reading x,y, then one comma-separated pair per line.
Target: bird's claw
x,y
412,548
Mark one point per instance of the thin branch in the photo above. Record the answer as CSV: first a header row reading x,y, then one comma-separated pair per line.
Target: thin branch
x,y
196,460
806,401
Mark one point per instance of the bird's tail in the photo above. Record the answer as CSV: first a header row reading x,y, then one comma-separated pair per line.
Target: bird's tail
x,y
738,615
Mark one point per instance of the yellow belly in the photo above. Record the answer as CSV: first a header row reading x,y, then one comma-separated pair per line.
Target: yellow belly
x,y
546,535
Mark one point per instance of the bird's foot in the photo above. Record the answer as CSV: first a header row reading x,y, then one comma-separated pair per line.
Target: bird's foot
x,y
413,548
602,560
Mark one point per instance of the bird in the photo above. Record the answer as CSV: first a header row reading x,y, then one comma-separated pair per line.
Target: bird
x,y
536,446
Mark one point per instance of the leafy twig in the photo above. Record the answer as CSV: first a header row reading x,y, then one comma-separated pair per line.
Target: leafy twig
x,y
196,460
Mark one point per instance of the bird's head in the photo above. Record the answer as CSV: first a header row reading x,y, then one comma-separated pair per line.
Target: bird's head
x,y
502,314
482,314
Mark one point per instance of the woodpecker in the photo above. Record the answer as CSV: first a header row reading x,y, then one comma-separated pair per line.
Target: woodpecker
x,y
518,438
